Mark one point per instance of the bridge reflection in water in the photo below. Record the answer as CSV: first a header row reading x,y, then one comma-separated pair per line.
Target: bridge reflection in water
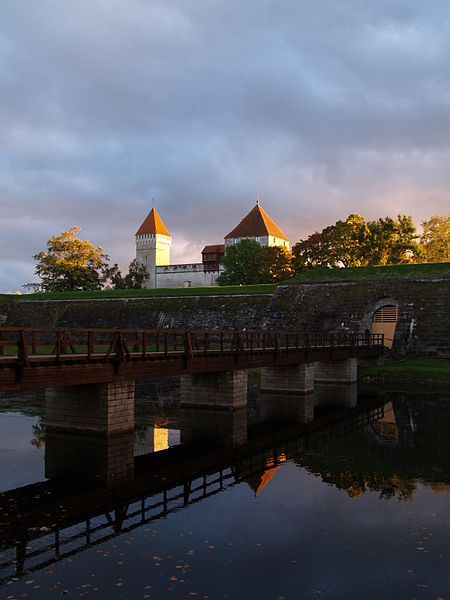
x,y
49,521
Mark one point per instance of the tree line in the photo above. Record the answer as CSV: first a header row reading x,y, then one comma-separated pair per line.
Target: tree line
x,y
354,242
71,264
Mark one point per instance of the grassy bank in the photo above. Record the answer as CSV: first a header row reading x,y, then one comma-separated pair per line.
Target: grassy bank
x,y
144,293
415,375
361,273
312,276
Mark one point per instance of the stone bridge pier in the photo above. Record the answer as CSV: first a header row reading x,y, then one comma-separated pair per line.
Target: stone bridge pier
x,y
100,408
288,391
214,407
336,371
89,432
308,385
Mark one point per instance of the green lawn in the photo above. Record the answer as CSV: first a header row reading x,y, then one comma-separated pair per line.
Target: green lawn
x,y
311,276
391,271
414,375
144,293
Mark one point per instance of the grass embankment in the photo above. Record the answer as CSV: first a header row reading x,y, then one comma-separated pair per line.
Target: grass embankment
x,y
358,273
144,293
311,276
427,375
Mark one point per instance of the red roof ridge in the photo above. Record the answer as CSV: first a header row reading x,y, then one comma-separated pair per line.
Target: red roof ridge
x,y
153,224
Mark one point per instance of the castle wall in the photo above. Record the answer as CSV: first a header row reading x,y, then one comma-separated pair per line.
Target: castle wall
x,y
188,275
423,327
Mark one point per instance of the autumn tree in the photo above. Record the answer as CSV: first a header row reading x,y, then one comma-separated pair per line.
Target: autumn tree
x,y
70,264
435,239
392,242
133,280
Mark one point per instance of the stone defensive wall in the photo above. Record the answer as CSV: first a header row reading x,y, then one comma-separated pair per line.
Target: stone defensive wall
x,y
421,303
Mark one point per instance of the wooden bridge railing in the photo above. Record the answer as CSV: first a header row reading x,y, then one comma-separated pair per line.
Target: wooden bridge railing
x,y
85,345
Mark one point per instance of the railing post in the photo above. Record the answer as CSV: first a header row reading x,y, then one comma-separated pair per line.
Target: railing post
x,y
90,348
58,345
188,353
277,343
1,343
22,349
136,342
144,347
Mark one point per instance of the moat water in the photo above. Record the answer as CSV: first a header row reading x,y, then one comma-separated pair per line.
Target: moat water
x,y
356,507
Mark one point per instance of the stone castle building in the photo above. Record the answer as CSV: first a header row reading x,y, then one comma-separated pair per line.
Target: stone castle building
x,y
153,250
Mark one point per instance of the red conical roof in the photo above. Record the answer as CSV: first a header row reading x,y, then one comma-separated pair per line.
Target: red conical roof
x,y
256,224
153,224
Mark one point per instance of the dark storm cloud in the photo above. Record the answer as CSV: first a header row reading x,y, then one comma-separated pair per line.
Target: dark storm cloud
x,y
324,108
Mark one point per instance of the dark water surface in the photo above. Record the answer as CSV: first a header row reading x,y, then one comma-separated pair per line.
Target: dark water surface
x,y
358,507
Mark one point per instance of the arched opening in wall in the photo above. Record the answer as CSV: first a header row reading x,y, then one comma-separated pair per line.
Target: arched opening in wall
x,y
384,321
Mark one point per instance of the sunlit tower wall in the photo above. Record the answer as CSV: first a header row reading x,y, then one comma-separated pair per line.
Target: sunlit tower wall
x,y
153,245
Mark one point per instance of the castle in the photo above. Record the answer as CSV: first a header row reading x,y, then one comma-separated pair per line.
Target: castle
x,y
153,250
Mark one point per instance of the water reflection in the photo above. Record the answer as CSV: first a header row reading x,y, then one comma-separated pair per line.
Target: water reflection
x,y
398,448
220,427
105,459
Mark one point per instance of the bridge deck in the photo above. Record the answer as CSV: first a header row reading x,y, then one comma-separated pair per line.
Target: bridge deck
x,y
33,358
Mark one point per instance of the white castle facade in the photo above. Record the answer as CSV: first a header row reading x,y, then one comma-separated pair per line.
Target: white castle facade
x,y
153,250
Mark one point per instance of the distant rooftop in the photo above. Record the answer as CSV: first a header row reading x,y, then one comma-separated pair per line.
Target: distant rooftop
x,y
153,224
256,224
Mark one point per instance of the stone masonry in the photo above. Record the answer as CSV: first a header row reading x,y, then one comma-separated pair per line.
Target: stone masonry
x,y
104,408
226,390
293,379
336,371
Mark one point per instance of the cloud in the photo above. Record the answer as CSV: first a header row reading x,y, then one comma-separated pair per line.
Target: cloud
x,y
323,108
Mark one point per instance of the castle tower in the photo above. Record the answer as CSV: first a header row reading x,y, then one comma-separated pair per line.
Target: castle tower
x,y
258,226
153,245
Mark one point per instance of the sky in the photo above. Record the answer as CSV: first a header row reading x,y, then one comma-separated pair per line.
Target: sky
x,y
322,107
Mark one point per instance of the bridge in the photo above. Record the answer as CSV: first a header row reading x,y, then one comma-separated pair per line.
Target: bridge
x,y
89,374
35,358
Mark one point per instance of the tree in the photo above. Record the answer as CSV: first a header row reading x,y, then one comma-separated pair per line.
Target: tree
x,y
70,264
310,253
242,262
247,262
435,239
276,264
392,242
133,280
347,242
355,243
